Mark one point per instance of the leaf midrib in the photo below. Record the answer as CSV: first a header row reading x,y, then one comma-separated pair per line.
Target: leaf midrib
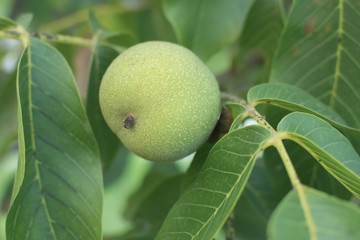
x,y
33,145
229,193
338,54
295,137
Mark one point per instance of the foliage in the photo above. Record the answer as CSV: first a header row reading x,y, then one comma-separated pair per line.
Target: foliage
x,y
295,174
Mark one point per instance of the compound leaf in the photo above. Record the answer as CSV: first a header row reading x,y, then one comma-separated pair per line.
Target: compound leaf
x,y
332,150
295,99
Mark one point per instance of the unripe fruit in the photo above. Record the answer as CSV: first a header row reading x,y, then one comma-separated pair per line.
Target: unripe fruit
x,y
160,100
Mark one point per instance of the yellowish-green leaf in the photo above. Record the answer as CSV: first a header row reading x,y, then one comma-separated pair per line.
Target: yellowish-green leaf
x,y
6,23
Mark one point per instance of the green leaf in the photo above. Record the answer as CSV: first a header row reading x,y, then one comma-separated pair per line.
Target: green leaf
x,y
25,20
7,174
309,171
154,208
332,150
262,31
8,116
295,99
153,25
108,142
157,174
333,218
206,203
61,193
197,163
319,52
221,61
6,7
6,23
95,26
255,206
238,112
131,171
263,26
206,27
118,39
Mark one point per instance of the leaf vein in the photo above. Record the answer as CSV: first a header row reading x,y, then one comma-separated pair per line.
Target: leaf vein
x,y
87,149
73,212
306,55
68,109
209,190
72,188
70,158
218,170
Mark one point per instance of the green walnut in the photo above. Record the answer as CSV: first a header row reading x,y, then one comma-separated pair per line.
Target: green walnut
x,y
160,100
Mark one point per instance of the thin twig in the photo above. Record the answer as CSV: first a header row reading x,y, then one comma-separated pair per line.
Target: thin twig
x,y
84,42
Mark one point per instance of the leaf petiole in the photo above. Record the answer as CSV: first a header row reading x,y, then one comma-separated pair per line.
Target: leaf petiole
x,y
295,181
21,34
276,141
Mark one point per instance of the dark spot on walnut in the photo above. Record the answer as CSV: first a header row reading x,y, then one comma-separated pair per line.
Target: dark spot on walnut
x,y
129,122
